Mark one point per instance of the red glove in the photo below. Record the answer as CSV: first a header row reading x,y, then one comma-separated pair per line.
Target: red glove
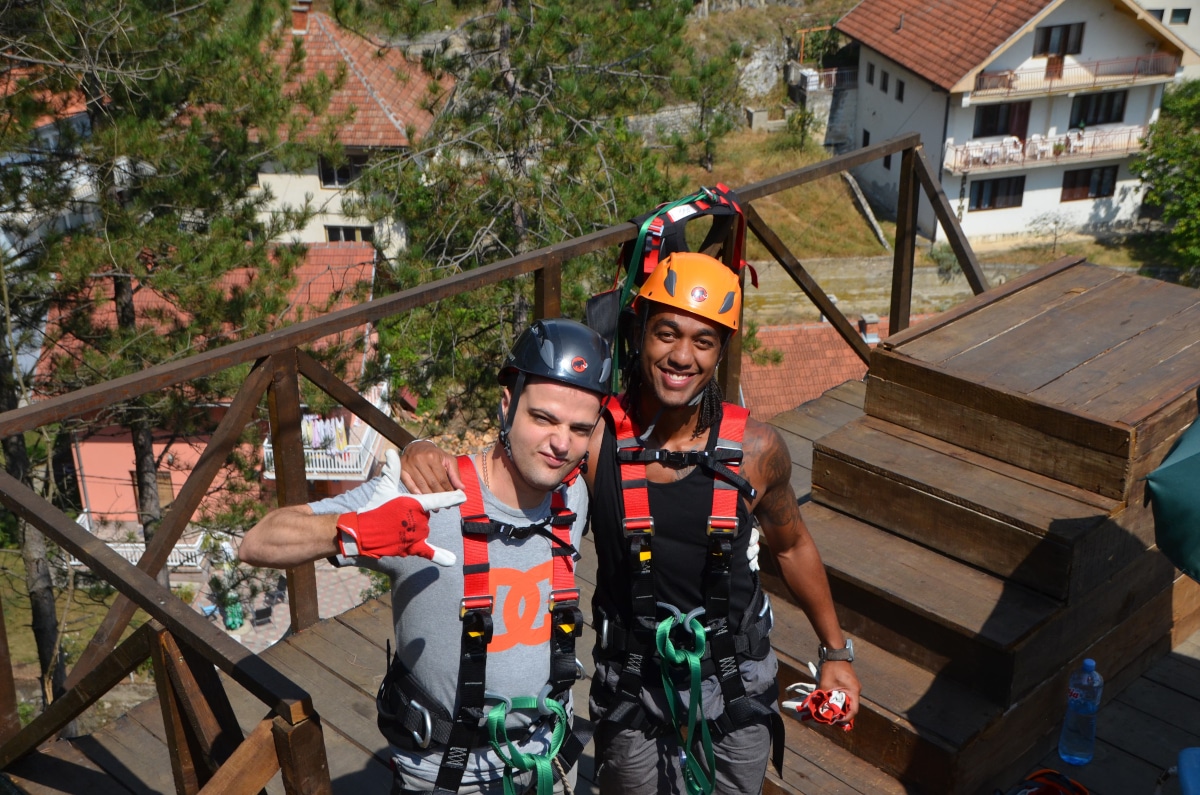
x,y
826,707
392,524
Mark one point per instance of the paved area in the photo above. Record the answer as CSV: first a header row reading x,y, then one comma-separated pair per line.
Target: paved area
x,y
338,590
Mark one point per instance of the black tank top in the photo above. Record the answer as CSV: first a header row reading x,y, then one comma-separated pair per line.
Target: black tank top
x,y
680,545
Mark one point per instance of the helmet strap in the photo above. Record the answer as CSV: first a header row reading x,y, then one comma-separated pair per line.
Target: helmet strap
x,y
506,419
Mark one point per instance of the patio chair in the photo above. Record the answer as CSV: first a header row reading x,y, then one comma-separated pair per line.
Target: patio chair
x,y
1074,141
1038,146
262,615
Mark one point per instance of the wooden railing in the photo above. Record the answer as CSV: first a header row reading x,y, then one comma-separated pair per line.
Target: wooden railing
x,y
186,649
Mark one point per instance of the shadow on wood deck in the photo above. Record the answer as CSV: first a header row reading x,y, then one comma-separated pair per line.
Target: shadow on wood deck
x,y
340,661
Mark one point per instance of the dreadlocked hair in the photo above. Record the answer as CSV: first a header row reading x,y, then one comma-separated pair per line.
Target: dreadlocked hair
x,y
710,401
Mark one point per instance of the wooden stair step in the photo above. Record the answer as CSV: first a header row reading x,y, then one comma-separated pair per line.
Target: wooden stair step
x,y
1048,535
939,735
934,611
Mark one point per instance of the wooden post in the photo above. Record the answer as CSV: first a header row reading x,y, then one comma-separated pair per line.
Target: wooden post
x,y
950,225
906,244
302,761
10,723
730,375
547,291
291,479
188,765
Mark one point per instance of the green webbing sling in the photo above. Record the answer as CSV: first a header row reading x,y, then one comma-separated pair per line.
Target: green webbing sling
x,y
695,777
515,759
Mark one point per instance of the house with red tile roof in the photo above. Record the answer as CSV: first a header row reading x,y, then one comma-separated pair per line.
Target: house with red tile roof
x,y
1030,110
801,362
388,101
340,450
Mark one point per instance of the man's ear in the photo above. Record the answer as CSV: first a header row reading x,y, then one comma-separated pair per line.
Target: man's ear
x,y
505,398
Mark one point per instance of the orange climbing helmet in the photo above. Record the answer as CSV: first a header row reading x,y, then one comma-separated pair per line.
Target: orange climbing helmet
x,y
695,283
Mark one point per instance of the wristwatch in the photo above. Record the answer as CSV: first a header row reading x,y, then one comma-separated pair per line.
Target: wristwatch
x,y
827,654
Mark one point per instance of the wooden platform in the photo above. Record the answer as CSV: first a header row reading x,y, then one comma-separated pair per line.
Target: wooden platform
x,y
342,660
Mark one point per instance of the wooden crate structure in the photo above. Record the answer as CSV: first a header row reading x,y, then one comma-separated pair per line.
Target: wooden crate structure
x,y
984,525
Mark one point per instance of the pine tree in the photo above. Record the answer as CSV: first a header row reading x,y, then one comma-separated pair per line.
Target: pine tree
x,y
131,133
530,148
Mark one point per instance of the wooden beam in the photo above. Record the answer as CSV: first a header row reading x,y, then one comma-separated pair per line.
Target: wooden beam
x,y
807,283
264,682
189,762
202,698
950,225
71,704
825,168
224,440
343,393
252,765
10,722
291,481
300,749
547,292
906,244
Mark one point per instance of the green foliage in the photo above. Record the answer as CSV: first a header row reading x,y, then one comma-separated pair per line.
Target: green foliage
x,y
796,138
753,347
946,260
529,149
1169,168
378,584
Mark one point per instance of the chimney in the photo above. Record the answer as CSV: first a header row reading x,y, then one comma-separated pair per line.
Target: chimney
x,y
868,327
300,17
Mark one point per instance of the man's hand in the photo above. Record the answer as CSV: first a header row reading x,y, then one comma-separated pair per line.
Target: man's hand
x,y
840,676
392,524
427,469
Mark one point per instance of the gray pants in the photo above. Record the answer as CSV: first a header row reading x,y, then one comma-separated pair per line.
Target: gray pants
x,y
630,763
408,784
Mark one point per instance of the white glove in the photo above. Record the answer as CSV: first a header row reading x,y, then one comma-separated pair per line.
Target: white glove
x,y
752,548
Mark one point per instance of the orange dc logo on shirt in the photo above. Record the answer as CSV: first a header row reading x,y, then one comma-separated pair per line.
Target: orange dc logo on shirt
x,y
522,608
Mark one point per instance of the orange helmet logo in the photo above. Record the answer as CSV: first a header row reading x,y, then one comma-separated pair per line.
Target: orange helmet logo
x,y
699,294
579,364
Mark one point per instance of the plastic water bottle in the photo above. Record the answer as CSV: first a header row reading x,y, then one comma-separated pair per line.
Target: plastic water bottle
x,y
1077,743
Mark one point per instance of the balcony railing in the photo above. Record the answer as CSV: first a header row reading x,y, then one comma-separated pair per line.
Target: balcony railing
x,y
1075,76
828,79
182,557
1013,153
351,462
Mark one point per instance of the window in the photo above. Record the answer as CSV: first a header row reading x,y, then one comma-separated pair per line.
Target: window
x,y
1180,16
166,490
870,74
1089,183
883,81
887,162
1058,40
349,234
1008,118
1106,108
341,176
866,138
1157,13
995,194
899,90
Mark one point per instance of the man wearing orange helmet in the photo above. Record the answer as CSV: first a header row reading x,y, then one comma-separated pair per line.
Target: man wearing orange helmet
x,y
685,684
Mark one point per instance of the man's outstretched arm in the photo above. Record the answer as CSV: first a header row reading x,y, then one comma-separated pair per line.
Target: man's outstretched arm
x,y
287,537
769,468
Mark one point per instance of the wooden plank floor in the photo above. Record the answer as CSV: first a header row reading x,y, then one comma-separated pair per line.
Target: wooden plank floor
x,y
341,661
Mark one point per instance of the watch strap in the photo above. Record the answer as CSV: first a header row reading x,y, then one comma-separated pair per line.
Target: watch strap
x,y
845,654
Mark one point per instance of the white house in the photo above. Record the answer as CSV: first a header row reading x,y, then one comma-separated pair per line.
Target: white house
x,y
1183,18
1031,110
390,100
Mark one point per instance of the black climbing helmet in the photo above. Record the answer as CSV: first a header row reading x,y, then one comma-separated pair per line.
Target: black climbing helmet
x,y
560,350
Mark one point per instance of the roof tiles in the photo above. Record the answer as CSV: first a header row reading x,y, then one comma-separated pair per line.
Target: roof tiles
x,y
388,94
942,40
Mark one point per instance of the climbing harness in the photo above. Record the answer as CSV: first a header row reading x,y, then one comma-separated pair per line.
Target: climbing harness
x,y
411,719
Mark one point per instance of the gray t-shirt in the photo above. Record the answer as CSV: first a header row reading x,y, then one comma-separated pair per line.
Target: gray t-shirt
x,y
425,609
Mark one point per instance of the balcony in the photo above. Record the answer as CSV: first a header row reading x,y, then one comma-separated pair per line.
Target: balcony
x,y
1079,76
1011,153
336,452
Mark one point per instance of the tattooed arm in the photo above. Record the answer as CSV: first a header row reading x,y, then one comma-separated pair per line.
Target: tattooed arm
x,y
769,469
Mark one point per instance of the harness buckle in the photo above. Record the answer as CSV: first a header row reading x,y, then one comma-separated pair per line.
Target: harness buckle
x,y
422,740
603,633
722,525
476,604
567,597
476,615
638,526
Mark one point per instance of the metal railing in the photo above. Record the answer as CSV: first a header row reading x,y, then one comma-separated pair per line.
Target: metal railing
x,y
828,79
1075,75
183,557
179,637
1037,150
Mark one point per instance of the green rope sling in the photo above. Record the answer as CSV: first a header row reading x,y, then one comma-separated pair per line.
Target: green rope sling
x,y
699,779
515,759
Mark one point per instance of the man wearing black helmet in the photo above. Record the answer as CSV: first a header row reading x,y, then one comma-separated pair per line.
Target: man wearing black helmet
x,y
493,637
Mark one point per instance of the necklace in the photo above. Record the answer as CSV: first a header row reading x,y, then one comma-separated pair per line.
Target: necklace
x,y
487,482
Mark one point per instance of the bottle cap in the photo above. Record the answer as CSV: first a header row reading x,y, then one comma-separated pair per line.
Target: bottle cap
x,y
1089,665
